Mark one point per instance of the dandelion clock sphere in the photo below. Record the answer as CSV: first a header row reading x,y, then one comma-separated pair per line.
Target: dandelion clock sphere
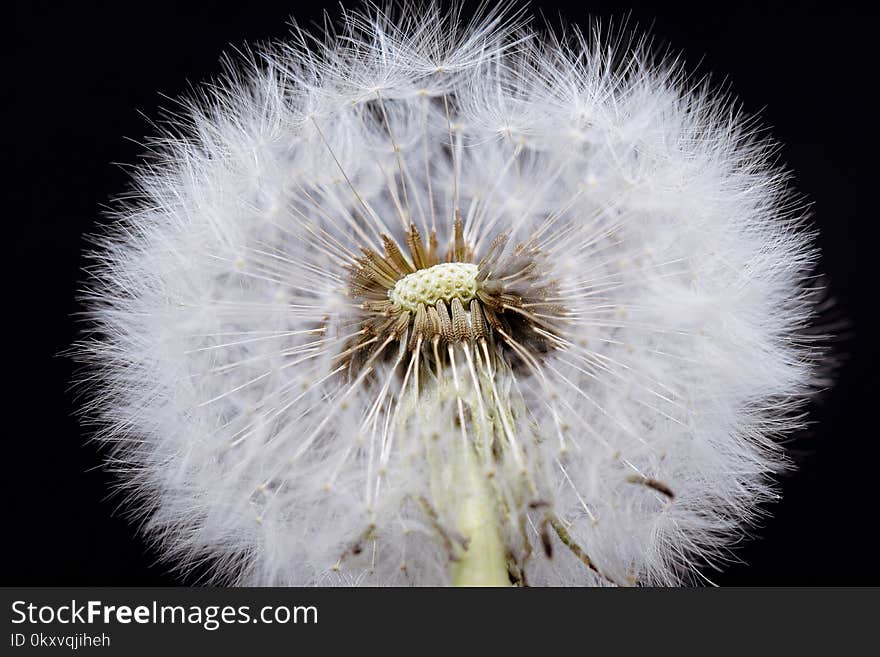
x,y
440,301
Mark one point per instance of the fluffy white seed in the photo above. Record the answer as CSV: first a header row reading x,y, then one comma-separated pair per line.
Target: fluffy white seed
x,y
659,346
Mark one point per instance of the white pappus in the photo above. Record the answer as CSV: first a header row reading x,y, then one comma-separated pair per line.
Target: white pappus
x,y
435,301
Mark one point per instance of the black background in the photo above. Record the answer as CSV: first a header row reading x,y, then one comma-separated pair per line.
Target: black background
x,y
81,79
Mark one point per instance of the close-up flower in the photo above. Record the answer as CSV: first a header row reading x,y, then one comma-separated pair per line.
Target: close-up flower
x,y
430,299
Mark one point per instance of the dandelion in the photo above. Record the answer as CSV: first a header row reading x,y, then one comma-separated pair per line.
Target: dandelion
x,y
435,301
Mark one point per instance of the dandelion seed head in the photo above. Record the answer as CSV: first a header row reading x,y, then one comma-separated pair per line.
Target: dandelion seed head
x,y
370,280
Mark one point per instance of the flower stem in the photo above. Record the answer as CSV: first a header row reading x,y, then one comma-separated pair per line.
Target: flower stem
x,y
484,561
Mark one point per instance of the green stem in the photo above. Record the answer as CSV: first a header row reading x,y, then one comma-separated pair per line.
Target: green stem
x,y
484,562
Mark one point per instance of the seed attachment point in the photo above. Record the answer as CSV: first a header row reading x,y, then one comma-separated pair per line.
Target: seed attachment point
x,y
443,282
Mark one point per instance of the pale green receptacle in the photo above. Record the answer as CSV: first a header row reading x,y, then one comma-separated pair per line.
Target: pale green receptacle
x,y
443,282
